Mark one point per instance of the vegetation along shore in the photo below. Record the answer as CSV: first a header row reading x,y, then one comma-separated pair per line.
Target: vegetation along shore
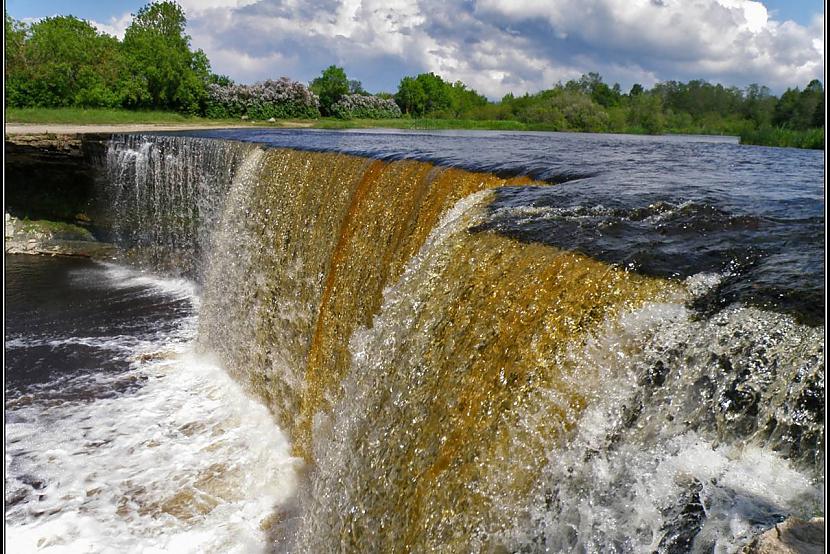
x,y
62,70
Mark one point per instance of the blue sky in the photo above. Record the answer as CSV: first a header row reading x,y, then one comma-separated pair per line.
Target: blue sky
x,y
495,46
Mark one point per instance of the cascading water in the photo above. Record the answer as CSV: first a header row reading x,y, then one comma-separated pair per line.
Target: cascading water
x,y
455,389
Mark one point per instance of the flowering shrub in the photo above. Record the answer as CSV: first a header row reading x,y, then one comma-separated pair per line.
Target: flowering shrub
x,y
353,106
279,99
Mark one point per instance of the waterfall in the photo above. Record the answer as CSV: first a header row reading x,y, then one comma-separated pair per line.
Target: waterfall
x,y
454,389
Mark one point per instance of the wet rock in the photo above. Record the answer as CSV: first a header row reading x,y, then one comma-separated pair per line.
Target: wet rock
x,y
683,522
53,239
792,536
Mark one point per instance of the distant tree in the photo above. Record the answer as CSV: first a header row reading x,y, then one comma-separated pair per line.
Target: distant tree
x,y
221,80
818,115
429,94
330,86
356,87
636,89
464,100
411,97
810,106
646,112
758,105
437,92
162,70
15,39
786,108
63,61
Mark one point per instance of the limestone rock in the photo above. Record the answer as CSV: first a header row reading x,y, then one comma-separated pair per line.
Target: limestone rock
x,y
792,536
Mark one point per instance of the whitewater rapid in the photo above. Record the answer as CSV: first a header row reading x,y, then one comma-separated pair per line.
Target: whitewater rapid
x,y
168,456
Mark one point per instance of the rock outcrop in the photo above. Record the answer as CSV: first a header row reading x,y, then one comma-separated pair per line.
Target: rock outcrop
x,y
791,536
52,238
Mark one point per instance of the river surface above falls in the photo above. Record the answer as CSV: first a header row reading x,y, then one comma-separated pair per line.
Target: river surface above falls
x,y
672,206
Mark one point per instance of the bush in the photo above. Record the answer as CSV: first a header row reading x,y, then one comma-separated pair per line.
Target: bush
x,y
280,99
778,136
357,106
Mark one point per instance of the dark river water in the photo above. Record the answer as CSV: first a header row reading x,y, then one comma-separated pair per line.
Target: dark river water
x,y
668,206
113,423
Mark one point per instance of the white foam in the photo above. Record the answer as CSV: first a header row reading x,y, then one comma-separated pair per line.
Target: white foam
x,y
185,463
124,277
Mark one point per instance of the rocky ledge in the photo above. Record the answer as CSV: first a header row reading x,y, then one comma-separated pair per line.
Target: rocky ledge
x,y
791,536
52,238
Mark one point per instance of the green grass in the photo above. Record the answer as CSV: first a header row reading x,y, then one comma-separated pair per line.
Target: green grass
x,y
103,116
92,116
775,136
431,124
56,229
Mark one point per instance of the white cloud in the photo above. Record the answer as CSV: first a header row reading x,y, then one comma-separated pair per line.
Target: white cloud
x,y
116,25
499,46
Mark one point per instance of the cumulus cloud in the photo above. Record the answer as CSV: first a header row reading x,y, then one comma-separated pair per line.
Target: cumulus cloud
x,y
116,25
500,46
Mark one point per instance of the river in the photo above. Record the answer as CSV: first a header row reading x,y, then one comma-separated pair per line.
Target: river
x,y
359,341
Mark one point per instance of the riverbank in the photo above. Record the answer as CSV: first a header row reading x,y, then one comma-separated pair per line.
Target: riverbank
x,y
74,120
52,238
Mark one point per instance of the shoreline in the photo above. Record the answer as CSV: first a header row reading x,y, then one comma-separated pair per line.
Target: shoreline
x,y
17,129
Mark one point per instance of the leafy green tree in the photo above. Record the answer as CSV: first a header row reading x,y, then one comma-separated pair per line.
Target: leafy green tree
x,y
786,108
818,115
330,86
810,103
162,70
646,112
428,94
411,97
15,38
463,101
221,80
356,87
436,91
63,61
759,105
636,90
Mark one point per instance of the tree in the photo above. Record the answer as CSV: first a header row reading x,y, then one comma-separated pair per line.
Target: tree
x,y
463,100
356,87
61,61
410,96
646,112
330,86
429,94
759,104
162,70
15,38
636,89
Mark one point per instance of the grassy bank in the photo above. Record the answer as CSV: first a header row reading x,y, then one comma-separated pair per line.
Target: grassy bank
x,y
769,136
773,136
80,116
103,116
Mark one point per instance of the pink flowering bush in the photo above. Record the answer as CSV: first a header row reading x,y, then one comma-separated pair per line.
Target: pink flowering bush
x,y
358,106
280,99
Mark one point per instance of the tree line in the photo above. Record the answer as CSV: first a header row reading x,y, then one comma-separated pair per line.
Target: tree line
x,y
64,61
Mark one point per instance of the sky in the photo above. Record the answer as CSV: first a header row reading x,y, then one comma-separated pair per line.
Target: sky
x,y
494,46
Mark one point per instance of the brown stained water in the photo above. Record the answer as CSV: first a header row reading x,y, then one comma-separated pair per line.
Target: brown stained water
x,y
469,360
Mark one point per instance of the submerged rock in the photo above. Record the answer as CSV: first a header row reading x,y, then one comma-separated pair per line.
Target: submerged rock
x,y
792,536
